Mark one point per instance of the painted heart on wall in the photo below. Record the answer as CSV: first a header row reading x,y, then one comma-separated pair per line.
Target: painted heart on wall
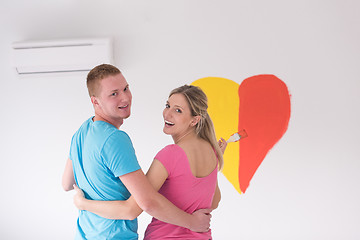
x,y
260,105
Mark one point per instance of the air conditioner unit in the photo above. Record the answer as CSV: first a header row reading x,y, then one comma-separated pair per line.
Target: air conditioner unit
x,y
59,56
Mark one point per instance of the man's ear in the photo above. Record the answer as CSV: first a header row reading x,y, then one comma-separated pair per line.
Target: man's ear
x,y
195,120
94,100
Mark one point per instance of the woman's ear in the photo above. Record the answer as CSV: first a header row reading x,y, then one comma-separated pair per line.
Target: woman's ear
x,y
195,120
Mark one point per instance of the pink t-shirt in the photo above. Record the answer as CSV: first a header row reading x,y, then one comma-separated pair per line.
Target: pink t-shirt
x,y
185,191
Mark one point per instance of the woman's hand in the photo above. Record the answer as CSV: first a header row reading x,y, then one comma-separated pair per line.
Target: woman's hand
x,y
222,144
79,198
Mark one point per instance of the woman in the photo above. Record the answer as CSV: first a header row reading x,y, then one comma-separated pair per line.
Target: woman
x,y
184,172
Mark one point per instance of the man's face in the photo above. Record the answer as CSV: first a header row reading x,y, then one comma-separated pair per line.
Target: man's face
x,y
114,99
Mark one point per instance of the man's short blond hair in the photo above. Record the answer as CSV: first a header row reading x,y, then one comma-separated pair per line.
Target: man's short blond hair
x,y
97,74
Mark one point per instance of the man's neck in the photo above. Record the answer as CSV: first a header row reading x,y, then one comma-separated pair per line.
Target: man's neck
x,y
116,124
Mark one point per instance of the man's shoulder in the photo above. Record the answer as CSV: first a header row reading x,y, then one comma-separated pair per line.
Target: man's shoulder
x,y
100,132
119,137
85,125
82,130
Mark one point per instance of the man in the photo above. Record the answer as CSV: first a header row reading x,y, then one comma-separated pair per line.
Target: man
x,y
105,165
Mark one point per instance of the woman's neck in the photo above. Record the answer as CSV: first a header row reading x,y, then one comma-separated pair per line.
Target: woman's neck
x,y
185,137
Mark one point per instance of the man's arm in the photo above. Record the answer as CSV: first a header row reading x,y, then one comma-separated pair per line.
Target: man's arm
x,y
152,202
159,207
127,209
68,179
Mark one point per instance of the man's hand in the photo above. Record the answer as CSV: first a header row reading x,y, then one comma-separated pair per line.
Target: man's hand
x,y
201,220
79,197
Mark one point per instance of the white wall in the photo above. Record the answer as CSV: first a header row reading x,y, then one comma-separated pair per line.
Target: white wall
x,y
306,188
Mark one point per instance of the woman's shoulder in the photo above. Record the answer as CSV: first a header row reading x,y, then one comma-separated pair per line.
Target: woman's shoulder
x,y
170,155
172,151
197,145
172,148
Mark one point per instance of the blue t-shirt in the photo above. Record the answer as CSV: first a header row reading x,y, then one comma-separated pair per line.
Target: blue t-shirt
x,y
100,153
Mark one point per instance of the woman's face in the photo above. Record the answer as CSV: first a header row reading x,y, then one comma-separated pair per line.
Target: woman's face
x,y
177,116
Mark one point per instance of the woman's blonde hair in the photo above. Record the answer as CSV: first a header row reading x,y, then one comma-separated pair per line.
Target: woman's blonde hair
x,y
198,104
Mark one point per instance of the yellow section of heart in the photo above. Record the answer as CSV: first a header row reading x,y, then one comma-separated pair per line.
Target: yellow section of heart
x,y
223,101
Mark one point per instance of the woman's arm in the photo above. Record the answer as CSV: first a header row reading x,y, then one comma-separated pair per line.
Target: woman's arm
x,y
216,198
157,174
127,210
68,179
222,144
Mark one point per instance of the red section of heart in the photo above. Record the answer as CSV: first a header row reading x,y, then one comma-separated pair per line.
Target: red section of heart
x,y
264,113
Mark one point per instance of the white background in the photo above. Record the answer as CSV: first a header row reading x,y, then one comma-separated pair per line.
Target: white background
x,y
308,185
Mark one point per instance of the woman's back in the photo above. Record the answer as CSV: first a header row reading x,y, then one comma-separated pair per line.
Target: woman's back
x,y
201,156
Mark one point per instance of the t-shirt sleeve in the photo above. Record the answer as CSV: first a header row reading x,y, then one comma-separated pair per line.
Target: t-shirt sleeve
x,y
73,147
118,154
168,157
